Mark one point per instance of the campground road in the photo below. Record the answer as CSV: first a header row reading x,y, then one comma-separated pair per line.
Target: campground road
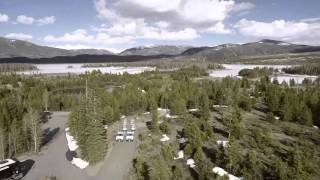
x,y
53,162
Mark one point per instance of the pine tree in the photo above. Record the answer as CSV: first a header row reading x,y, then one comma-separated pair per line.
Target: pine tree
x,y
204,106
108,115
253,166
35,130
154,113
159,170
234,155
270,117
177,173
140,167
199,156
178,106
279,169
167,152
305,116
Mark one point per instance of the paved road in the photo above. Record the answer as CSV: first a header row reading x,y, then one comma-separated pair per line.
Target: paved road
x,y
53,161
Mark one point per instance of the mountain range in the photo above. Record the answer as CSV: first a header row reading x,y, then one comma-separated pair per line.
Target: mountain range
x,y
12,50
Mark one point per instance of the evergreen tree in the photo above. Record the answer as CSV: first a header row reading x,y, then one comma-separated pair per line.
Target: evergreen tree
x,y
234,155
159,170
279,169
35,130
154,113
178,105
252,166
270,117
199,156
305,116
140,168
204,106
177,173
167,152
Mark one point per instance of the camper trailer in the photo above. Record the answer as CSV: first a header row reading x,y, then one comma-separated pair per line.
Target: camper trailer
x,y
10,169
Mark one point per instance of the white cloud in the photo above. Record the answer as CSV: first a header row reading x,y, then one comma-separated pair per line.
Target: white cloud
x,y
81,46
82,36
292,31
157,5
243,6
317,19
205,10
25,19
157,34
73,46
4,18
103,11
20,36
28,20
140,30
46,20
219,28
146,19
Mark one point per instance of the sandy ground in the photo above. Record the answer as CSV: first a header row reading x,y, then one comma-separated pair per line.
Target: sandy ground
x,y
53,162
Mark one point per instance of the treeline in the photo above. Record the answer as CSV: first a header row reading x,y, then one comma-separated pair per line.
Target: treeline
x,y
85,58
21,116
162,64
14,67
309,69
256,72
293,105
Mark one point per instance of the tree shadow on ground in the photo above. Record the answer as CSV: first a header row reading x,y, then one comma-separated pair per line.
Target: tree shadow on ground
x,y
194,173
221,131
48,135
70,155
26,166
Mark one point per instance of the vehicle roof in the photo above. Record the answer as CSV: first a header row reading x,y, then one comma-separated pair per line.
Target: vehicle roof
x,y
6,162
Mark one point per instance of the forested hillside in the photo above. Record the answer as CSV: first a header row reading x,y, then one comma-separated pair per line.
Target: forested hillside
x,y
268,126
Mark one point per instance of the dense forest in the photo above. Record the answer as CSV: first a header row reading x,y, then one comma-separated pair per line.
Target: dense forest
x,y
162,64
268,126
14,67
257,72
309,69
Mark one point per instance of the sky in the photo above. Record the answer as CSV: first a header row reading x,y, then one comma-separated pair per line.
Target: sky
x,y
119,24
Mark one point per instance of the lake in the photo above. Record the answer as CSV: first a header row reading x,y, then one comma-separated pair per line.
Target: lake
x,y
234,69
78,69
230,70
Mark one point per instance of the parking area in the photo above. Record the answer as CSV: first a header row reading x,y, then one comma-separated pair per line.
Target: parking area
x,y
127,130
53,161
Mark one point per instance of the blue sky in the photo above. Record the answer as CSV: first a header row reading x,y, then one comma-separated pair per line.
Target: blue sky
x,y
120,24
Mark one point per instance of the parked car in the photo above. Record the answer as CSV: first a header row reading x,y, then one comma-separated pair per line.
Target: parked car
x,y
120,136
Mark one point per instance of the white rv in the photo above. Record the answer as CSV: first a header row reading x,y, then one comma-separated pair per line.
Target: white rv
x,y
130,136
10,169
120,136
